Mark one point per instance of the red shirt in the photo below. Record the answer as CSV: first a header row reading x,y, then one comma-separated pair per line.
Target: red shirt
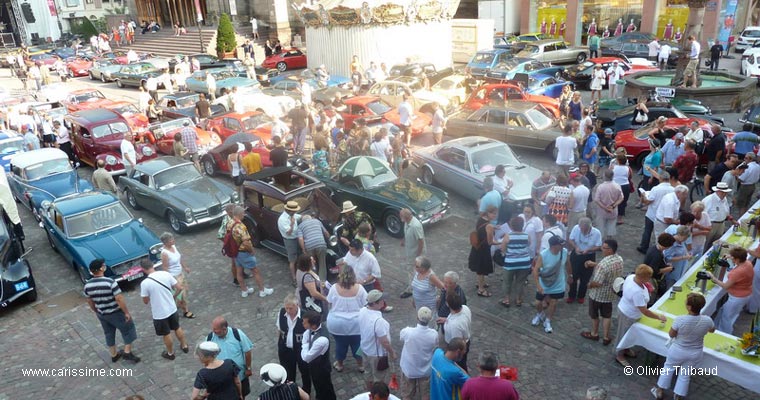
x,y
742,276
686,164
489,388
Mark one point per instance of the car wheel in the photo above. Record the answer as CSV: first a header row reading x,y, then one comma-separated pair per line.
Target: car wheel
x,y
50,240
119,84
550,150
581,58
131,199
208,166
31,297
281,66
92,77
393,224
640,159
427,175
83,275
174,222
102,78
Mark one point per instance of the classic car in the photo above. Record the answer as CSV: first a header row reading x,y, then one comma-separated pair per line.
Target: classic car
x,y
120,57
580,74
392,91
44,174
79,66
215,161
84,99
752,117
506,70
639,49
372,106
546,85
63,52
138,121
161,135
159,63
613,114
205,61
498,93
46,58
103,69
135,74
173,188
225,78
181,105
263,75
253,98
554,50
454,88
310,76
285,60
253,122
519,124
626,37
484,60
97,134
55,110
635,141
370,182
290,88
460,165
93,225
416,69
16,277
11,142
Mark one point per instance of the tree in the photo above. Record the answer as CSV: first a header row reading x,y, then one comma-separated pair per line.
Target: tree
x,y
225,36
693,28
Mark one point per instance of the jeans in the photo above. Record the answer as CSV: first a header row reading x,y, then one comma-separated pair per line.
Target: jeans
x,y
593,53
646,236
342,343
581,274
714,63
626,194
514,282
112,322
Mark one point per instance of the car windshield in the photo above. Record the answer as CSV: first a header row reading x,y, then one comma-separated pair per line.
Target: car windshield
x,y
753,33
110,129
226,74
445,84
540,120
174,176
126,109
379,107
531,49
11,145
507,65
89,96
370,182
483,58
643,132
48,167
188,101
173,124
99,219
484,161
252,122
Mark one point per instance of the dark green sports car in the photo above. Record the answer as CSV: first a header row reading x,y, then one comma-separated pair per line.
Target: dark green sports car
x,y
370,184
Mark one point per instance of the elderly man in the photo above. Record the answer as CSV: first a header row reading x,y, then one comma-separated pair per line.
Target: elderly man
x,y
450,285
673,148
351,219
128,153
287,223
686,163
419,344
291,329
457,324
375,338
551,271
245,260
448,377
312,239
652,200
748,177
190,141
234,346
718,208
538,191
413,244
600,290
489,385
607,196
668,209
315,351
102,179
491,197
585,241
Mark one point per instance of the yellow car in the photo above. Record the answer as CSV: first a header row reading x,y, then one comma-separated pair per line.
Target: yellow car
x,y
453,87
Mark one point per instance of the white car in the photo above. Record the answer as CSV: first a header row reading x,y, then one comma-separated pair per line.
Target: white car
x,y
54,92
254,100
453,87
751,62
748,37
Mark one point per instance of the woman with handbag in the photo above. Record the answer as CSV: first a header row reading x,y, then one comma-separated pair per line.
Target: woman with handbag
x,y
641,113
481,240
308,285
517,261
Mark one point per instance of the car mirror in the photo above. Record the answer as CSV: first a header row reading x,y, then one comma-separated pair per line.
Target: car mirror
x,y
140,220
45,205
28,250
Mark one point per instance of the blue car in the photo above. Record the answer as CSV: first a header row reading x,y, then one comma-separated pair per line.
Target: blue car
x,y
11,142
485,60
43,174
225,78
87,226
309,76
507,70
546,85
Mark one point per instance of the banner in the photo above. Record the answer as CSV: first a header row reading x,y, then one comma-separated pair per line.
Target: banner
x,y
51,6
727,21
198,10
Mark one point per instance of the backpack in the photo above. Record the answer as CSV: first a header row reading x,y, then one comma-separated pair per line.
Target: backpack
x,y
230,246
235,333
474,241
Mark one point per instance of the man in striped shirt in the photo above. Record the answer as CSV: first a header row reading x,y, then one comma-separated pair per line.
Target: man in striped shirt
x,y
106,301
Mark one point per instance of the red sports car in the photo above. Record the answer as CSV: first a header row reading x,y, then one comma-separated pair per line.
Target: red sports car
x,y
161,134
138,121
79,66
503,92
84,99
287,59
45,58
119,56
369,106
252,122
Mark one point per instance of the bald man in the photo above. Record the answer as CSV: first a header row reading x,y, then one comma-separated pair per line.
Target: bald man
x,y
235,346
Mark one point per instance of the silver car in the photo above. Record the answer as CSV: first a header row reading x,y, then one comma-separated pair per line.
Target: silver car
x,y
460,165
556,51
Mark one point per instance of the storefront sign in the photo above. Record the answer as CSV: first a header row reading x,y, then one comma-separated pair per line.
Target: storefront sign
x,y
665,92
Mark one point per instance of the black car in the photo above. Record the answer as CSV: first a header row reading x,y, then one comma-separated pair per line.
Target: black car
x,y
639,49
182,104
622,119
63,52
16,279
626,37
135,74
416,69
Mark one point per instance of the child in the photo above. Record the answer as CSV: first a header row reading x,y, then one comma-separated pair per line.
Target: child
x,y
363,233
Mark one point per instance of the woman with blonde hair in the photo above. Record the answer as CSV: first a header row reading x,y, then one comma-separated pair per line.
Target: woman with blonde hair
x,y
171,261
346,298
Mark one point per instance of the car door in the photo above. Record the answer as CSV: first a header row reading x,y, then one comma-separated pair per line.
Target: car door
x,y
16,182
546,53
140,183
197,82
493,124
231,126
454,171
520,131
56,231
85,145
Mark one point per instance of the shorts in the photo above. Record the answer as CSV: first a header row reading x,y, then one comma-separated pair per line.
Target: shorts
x,y
192,157
691,67
291,249
556,296
165,326
48,138
245,260
372,374
117,321
597,309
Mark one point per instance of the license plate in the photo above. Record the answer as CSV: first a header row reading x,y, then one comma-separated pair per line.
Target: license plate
x,y
135,276
21,286
436,217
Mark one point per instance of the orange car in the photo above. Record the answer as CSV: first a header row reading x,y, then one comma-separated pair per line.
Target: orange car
x,y
371,106
79,66
502,92
161,134
253,122
137,120
85,99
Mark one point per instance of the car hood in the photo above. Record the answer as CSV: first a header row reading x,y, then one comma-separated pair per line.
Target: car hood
x,y
419,197
116,245
237,81
431,96
59,185
199,194
523,178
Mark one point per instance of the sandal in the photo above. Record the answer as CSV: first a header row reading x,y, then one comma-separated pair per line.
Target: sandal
x,y
505,304
484,293
623,362
337,367
189,315
589,336
606,341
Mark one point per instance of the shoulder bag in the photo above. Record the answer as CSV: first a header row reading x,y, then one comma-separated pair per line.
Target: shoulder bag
x,y
382,361
549,275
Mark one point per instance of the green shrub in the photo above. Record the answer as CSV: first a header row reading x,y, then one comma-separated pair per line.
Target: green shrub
x,y
225,35
83,27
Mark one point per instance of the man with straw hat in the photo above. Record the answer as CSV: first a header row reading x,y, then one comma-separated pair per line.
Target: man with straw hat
x,y
288,226
718,208
274,376
351,220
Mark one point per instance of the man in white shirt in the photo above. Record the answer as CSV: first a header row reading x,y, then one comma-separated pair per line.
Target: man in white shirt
x,y
287,223
128,154
151,85
654,49
578,201
614,73
690,73
667,210
315,350
566,145
365,266
695,134
305,89
718,208
457,324
406,113
551,228
748,178
652,199
158,289
663,56
416,356
375,337
132,56
438,124
279,128
211,86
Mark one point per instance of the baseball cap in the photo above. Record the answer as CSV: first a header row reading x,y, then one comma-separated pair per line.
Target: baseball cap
x,y
424,315
608,131
374,296
556,240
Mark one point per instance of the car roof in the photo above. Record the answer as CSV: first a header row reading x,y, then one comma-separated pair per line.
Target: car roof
x,y
96,115
82,202
546,41
8,134
471,142
360,100
179,95
27,158
156,165
518,106
255,182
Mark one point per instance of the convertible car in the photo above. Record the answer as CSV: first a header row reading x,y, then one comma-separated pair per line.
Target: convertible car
x,y
372,106
79,66
253,98
225,79
181,105
138,121
215,161
92,225
498,94
228,124
370,182
161,135
320,96
506,70
43,174
171,187
546,85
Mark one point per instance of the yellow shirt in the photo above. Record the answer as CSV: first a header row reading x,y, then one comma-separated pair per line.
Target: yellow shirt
x,y
252,163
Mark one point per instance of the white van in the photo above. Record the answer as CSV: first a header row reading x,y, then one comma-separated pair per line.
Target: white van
x,y
748,37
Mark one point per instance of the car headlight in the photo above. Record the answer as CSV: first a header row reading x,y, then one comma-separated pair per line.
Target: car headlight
x,y
215,138
110,160
235,198
147,151
156,249
188,215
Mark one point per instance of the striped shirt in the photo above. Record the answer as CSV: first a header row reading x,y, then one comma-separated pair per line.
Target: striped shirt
x,y
103,292
518,252
311,231
424,292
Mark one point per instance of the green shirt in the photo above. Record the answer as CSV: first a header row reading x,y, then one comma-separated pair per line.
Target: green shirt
x,y
593,41
413,232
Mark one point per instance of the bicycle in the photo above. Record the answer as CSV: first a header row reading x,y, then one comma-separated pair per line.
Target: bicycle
x,y
697,190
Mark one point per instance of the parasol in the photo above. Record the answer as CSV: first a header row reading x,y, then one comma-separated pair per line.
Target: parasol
x,y
363,166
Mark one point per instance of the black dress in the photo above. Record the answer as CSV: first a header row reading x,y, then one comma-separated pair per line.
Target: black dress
x,y
480,261
219,382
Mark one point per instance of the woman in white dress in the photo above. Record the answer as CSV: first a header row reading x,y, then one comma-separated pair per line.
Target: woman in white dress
x,y
597,81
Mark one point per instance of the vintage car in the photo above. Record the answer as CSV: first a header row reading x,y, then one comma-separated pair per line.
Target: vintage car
x,y
519,124
460,165
79,66
392,91
182,105
546,85
119,56
506,70
253,98
173,188
253,122
103,69
54,92
454,88
97,134
46,59
135,74
555,51
518,42
285,60
63,52
626,37
11,142
88,226
416,69
44,174
215,162
580,74
484,60
620,118
161,135
639,49
55,110
750,63
310,76
372,106
138,121
225,79
16,278
370,182
82,99
499,93
636,144
321,96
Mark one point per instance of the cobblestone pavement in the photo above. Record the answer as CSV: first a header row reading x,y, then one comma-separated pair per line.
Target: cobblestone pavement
x,y
59,330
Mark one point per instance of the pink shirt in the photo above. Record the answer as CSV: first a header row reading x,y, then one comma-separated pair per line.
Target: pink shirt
x,y
489,388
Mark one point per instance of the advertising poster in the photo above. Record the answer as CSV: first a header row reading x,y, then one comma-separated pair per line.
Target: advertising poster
x,y
726,22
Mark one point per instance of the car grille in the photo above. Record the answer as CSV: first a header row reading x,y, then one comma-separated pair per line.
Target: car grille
x,y
478,71
121,269
211,211
201,214
214,210
272,73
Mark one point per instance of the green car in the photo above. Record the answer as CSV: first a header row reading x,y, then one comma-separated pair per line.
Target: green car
x,y
136,74
371,184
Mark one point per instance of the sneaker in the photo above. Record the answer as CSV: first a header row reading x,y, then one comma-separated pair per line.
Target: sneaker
x,y
246,292
537,319
235,282
387,309
119,354
167,356
547,326
656,393
264,293
406,295
131,357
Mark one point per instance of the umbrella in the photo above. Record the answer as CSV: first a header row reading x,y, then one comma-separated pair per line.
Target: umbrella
x,y
363,165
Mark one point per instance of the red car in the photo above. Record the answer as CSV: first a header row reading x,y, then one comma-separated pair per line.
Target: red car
x,y
45,58
138,121
79,66
636,144
287,59
368,106
215,161
502,92
119,56
252,122
161,134
84,99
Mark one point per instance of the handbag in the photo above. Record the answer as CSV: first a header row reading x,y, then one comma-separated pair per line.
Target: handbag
x,y
641,117
498,258
549,275
382,361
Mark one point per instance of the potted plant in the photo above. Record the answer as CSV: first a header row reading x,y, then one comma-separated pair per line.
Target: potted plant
x,y
225,38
